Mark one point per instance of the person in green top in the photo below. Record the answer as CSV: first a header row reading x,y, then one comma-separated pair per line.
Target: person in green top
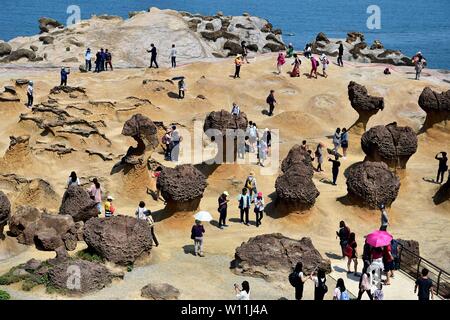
x,y
290,51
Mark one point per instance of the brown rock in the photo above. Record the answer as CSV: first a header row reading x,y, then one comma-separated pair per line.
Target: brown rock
x,y
363,103
5,213
298,156
160,291
436,105
47,24
77,203
322,37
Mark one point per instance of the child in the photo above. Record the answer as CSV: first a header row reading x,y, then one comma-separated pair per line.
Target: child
x,y
109,209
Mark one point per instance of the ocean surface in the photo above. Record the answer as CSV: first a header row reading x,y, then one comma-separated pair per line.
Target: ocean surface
x,y
409,26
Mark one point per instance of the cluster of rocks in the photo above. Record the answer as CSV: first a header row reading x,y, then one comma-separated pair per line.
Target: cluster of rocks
x,y
181,187
5,213
9,95
356,49
272,256
295,188
436,105
225,129
365,104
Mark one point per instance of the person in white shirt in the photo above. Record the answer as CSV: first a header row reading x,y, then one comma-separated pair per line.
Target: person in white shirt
x,y
235,110
340,292
30,94
88,58
244,292
173,56
142,213
73,180
324,60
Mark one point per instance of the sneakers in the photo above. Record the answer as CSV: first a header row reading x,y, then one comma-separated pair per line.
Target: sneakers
x,y
201,254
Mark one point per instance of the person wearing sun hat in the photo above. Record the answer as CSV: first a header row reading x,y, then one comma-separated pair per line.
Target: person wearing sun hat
x,y
259,208
250,184
109,209
223,206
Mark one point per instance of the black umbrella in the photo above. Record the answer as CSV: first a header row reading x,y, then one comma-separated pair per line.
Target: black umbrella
x,y
178,78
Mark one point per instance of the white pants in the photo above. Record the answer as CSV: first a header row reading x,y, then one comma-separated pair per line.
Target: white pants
x,y
198,245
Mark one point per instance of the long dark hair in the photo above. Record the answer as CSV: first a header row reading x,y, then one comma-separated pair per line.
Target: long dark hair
x,y
340,284
342,224
96,183
246,286
351,237
298,267
74,177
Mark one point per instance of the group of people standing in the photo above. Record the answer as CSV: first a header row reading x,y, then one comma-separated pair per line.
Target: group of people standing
x,y
171,142
103,59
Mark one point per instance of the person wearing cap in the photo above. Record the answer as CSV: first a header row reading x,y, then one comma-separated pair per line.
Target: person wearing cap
x,y
223,206
64,74
109,209
197,232
324,60
384,218
30,94
250,184
259,208
244,205
237,64
88,59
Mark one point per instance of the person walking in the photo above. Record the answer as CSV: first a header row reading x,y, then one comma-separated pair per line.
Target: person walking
x,y
424,286
319,156
64,74
108,60
336,140
153,54
88,59
298,279
270,100
95,192
366,256
344,142
250,184
253,136
364,286
223,207
176,138
109,208
297,63
335,168
262,152
30,93
320,287
244,52
244,205
173,56
308,51
267,137
142,213
351,253
244,292
325,62
340,292
443,167
259,208
237,65
280,62
197,232
384,218
73,180
314,66
181,89
419,64
343,233
388,261
340,55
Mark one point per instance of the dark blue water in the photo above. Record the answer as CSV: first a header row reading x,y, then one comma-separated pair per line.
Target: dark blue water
x,y
409,26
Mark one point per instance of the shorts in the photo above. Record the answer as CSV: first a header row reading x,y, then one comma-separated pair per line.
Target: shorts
x,y
344,144
388,266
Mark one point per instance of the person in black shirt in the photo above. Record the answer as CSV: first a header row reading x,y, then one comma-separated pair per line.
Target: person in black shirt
x,y
271,102
425,286
335,169
341,53
223,205
343,234
153,56
442,166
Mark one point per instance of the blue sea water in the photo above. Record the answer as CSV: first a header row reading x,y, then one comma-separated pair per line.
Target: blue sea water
x,y
408,26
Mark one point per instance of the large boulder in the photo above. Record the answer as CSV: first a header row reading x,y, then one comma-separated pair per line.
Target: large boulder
x,y
370,184
225,129
160,291
295,189
5,49
391,144
297,155
18,54
436,105
5,213
119,239
145,132
77,203
443,193
182,187
363,103
272,257
47,24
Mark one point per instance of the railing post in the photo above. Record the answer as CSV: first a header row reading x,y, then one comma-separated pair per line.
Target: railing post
x,y
400,255
438,282
418,267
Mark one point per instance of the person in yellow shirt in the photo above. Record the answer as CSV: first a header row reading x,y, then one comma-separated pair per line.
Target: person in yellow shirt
x,y
237,63
109,208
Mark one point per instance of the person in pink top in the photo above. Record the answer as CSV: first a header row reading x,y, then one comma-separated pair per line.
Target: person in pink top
x,y
314,65
96,194
280,61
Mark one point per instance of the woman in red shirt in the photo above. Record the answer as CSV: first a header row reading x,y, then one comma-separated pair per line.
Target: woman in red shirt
x,y
388,261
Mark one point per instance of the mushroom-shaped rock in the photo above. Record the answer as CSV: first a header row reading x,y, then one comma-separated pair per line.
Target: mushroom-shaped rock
x,y
47,24
436,105
370,184
296,156
160,291
295,190
182,187
145,132
226,129
363,103
5,212
119,239
77,203
272,256
391,144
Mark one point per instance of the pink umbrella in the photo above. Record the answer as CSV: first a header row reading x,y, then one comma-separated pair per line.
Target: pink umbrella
x,y
379,238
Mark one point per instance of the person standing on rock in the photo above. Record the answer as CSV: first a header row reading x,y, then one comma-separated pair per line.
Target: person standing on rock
x,y
108,60
443,167
324,60
98,60
95,192
340,55
237,65
153,54
173,56
102,59
314,66
88,59
335,168
262,152
167,141
223,207
259,208
319,156
250,184
73,180
181,88
290,51
270,100
343,234
244,206
336,140
253,136
298,279
280,62
197,232
297,63
175,144
30,92
109,208
64,75
235,110
244,52
419,64
344,142
384,218
308,51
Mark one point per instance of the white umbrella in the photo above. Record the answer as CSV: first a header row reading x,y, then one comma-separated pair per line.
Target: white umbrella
x,y
203,216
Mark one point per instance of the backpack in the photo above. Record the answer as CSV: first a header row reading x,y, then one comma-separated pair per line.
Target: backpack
x,y
344,296
322,286
294,279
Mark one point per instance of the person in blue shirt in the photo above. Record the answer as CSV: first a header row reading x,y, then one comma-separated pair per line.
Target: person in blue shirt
x,y
64,74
